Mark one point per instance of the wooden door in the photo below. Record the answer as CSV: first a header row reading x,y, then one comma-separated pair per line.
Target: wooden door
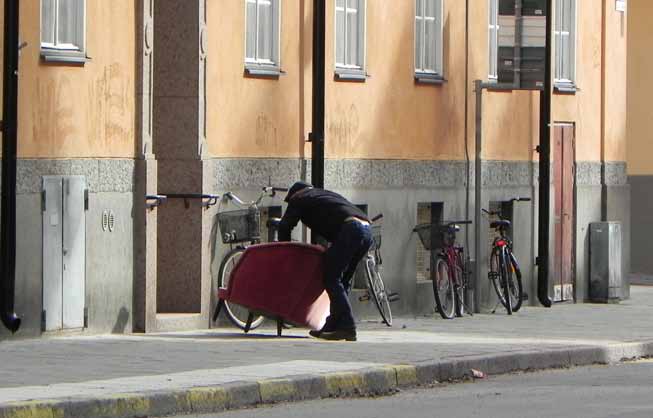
x,y
564,210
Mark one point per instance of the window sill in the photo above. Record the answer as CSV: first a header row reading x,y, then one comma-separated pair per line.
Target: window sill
x,y
263,72
57,57
434,79
349,75
565,88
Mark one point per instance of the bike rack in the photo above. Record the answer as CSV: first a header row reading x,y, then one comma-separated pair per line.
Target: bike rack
x,y
211,199
158,200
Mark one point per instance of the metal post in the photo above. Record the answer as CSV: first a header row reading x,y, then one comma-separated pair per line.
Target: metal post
x,y
545,171
316,136
478,178
9,145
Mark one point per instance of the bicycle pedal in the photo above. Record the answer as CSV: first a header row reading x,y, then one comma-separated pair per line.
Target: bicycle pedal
x,y
393,297
364,298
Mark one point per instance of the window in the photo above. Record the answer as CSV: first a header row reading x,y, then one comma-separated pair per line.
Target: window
x,y
63,27
493,40
350,36
565,41
262,37
428,38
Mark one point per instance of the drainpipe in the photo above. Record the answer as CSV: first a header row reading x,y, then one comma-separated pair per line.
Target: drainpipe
x,y
316,137
9,145
545,171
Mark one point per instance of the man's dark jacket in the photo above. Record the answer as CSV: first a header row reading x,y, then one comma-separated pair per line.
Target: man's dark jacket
x,y
321,210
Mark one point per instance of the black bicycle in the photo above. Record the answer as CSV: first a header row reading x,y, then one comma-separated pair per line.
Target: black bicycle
x,y
504,272
375,288
241,228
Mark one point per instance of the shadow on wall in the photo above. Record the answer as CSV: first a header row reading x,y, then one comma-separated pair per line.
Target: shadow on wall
x,y
121,322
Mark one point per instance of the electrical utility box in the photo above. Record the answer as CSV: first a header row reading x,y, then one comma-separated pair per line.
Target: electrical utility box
x,y
605,262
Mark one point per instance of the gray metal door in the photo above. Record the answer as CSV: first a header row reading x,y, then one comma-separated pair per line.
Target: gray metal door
x,y
74,251
64,251
52,252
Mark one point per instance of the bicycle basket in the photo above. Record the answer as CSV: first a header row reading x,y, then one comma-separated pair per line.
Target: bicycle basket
x,y
376,235
436,236
239,226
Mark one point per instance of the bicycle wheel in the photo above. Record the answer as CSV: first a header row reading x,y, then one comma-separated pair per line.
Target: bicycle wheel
x,y
459,285
237,314
516,290
498,276
377,290
443,289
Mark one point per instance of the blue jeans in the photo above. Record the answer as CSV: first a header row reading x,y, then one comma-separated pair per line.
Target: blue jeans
x,y
341,259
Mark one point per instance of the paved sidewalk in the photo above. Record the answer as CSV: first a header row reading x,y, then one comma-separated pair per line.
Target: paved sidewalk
x,y
205,371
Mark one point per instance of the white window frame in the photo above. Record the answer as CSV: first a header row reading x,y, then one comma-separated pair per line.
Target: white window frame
x,y
359,65
256,61
56,48
565,58
420,56
493,40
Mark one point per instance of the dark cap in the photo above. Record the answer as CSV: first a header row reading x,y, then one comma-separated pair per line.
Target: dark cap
x,y
300,185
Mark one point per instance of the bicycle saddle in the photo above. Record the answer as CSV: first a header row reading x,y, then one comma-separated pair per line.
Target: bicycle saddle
x,y
503,224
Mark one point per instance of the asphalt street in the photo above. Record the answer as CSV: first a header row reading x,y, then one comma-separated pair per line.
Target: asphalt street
x,y
622,390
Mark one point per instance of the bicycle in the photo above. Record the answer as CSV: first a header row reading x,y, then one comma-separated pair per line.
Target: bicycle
x,y
375,287
503,264
451,275
241,228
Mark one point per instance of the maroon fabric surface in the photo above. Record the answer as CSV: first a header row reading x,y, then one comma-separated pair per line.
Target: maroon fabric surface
x,y
281,279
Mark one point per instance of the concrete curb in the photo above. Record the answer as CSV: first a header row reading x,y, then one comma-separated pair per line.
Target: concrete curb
x,y
372,381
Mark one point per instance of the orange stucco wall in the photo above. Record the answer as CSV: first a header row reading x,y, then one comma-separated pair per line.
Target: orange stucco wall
x,y
640,89
510,119
68,111
615,87
584,107
389,116
250,117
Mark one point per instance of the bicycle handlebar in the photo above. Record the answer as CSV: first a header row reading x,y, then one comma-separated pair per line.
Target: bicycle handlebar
x,y
459,223
265,191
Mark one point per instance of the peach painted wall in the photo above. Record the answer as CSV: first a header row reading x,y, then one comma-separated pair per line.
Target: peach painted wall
x,y
250,117
640,89
68,111
616,79
389,116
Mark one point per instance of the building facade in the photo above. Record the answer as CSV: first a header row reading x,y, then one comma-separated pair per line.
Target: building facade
x,y
640,167
202,97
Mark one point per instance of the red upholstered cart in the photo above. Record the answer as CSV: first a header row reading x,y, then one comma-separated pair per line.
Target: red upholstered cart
x,y
281,280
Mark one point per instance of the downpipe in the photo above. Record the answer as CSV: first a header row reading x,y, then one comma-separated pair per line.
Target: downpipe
x,y
9,147
545,171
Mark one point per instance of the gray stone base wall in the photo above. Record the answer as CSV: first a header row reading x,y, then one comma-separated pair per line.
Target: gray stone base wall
x,y
395,188
642,223
109,255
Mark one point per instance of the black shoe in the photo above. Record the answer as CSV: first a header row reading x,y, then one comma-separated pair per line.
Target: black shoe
x,y
339,335
315,333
